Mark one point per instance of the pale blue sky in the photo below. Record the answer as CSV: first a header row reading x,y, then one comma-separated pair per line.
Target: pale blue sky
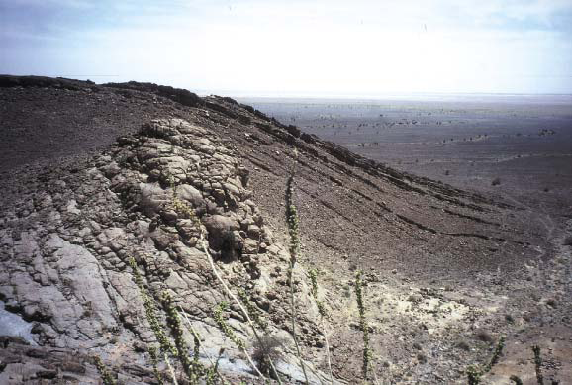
x,y
289,48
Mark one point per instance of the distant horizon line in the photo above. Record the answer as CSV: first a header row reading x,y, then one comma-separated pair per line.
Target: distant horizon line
x,y
267,94
543,98
357,95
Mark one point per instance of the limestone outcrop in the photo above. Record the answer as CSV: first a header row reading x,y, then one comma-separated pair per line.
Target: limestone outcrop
x,y
66,250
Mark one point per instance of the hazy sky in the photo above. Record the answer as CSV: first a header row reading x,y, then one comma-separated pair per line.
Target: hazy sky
x,y
312,47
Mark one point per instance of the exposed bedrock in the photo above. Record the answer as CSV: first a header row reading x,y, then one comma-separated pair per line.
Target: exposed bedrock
x,y
66,247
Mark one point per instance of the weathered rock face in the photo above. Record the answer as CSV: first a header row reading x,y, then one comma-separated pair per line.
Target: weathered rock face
x,y
66,248
26,363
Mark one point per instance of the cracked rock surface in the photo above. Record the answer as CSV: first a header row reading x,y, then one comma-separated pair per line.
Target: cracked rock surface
x,y
66,247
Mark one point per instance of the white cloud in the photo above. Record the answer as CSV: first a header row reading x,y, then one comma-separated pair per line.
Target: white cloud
x,y
324,46
74,4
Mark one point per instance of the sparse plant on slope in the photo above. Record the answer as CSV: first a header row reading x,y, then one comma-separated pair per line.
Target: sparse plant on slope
x,y
363,325
212,371
293,231
474,372
323,314
106,376
537,364
153,356
473,375
221,322
314,280
158,330
193,369
496,354
253,311
227,330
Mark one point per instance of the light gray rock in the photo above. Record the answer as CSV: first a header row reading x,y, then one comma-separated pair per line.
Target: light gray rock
x,y
220,229
65,253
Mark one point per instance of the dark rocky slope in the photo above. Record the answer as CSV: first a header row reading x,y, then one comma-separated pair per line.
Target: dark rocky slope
x,y
86,184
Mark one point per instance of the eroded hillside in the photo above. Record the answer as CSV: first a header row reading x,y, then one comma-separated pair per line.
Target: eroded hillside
x,y
87,183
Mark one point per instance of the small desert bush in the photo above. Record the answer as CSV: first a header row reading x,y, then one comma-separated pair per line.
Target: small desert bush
x,y
266,349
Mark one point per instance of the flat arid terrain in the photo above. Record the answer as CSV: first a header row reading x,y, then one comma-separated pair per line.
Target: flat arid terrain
x,y
466,140
515,148
121,198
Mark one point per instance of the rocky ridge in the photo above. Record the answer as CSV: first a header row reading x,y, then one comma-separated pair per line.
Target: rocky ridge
x,y
66,249
442,266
